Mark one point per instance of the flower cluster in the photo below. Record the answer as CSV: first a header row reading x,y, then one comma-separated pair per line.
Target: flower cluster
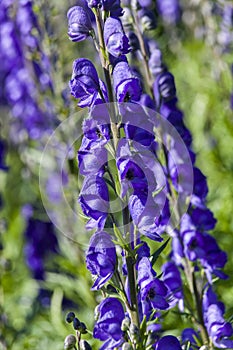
x,y
137,153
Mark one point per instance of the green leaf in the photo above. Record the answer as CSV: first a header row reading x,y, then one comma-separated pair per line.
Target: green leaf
x,y
157,253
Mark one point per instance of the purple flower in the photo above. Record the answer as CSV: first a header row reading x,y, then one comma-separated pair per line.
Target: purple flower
x,y
218,329
126,85
115,39
168,342
101,258
147,19
156,63
94,201
169,10
113,6
164,87
2,155
108,326
41,241
91,159
172,280
79,23
153,292
85,83
94,3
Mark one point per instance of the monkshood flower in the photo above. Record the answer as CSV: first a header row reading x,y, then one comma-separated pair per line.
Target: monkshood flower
x,y
115,39
126,85
80,26
164,87
218,329
2,156
147,19
153,292
101,258
172,279
168,342
156,63
108,325
94,3
94,201
113,6
92,160
41,241
169,10
27,21
85,83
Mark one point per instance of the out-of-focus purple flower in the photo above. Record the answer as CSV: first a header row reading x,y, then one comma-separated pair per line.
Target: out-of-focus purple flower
x,y
27,21
172,280
203,219
152,291
147,19
164,87
218,329
126,85
94,3
133,41
156,63
145,3
168,342
113,6
115,39
169,10
94,201
108,325
200,188
147,101
2,156
41,241
101,258
79,23
85,83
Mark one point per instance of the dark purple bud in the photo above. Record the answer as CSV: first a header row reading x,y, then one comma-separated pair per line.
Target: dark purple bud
x,y
76,323
2,156
84,345
133,41
189,335
70,317
101,258
115,39
127,86
164,87
79,23
172,280
168,342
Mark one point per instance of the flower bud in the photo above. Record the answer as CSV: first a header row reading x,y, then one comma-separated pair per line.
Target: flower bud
x,y
69,342
76,323
84,345
69,317
82,328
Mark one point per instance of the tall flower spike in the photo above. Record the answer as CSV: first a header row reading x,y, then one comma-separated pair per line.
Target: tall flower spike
x,y
79,23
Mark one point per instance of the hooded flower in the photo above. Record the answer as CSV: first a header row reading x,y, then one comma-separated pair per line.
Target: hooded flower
x,y
108,326
152,291
115,39
218,329
126,85
168,342
94,201
79,23
85,84
113,6
101,258
172,280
